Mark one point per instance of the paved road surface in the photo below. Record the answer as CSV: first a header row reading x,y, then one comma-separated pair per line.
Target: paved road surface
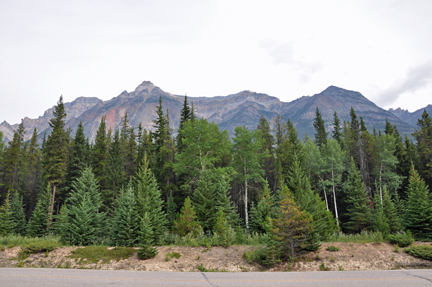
x,y
77,278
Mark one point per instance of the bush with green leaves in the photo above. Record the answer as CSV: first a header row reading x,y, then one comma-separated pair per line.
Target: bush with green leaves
x,y
332,248
421,251
402,239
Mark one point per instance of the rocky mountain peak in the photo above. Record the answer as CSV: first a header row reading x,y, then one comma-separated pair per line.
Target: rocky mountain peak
x,y
146,85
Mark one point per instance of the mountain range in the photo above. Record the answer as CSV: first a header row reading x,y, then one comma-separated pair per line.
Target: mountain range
x,y
241,109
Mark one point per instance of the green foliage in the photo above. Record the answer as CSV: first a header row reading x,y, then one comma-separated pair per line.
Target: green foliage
x,y
401,239
204,201
261,213
186,221
362,237
321,134
418,212
17,215
114,170
146,239
359,212
171,255
125,223
85,222
421,251
7,223
290,227
147,252
149,200
39,246
40,222
332,248
223,229
13,240
94,254
322,267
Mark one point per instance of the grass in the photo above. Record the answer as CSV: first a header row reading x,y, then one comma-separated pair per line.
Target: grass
x,y
322,267
93,254
171,255
363,237
13,240
203,269
332,248
421,251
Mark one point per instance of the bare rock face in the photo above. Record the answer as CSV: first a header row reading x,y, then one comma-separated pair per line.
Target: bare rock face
x,y
411,118
241,109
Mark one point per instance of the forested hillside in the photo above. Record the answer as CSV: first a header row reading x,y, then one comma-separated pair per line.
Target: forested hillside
x,y
135,187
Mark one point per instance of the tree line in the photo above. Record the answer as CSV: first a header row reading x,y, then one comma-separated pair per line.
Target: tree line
x,y
136,187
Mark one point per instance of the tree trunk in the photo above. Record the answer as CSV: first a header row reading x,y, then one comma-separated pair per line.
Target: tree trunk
x,y
325,194
334,199
246,206
53,198
380,183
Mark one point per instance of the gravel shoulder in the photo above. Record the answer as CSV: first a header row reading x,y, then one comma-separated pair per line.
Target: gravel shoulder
x,y
351,256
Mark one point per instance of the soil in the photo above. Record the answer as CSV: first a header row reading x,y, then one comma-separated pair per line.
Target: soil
x,y
351,256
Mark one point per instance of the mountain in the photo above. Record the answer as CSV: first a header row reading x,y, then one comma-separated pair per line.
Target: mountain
x,y
411,118
241,109
73,110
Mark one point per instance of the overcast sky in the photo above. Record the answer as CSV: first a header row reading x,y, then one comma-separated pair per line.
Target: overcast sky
x,y
286,49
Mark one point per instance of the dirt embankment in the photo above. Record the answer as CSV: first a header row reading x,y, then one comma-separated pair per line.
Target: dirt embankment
x,y
351,256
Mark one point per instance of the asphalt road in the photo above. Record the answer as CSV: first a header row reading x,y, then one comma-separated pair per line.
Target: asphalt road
x,y
77,278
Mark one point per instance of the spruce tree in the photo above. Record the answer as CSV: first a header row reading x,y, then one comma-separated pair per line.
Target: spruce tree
x,y
85,221
13,160
149,200
40,221
268,147
185,115
390,211
61,226
130,154
78,159
99,154
261,214
223,199
223,229
146,239
321,134
126,222
337,134
33,179
359,212
115,171
204,200
55,154
423,135
18,215
186,221
418,212
171,212
7,223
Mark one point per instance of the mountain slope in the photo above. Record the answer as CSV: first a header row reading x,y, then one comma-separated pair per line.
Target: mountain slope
x,y
411,118
241,109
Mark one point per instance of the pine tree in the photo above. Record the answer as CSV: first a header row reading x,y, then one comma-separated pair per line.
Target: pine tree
x,y
7,223
418,213
130,154
268,147
33,179
149,200
171,212
40,221
223,229
423,135
126,222
61,226
321,134
186,221
359,212
223,199
85,221
115,171
13,163
389,209
18,215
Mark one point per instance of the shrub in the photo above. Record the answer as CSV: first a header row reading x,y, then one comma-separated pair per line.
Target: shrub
x,y
332,248
322,267
171,255
424,252
93,254
147,252
402,239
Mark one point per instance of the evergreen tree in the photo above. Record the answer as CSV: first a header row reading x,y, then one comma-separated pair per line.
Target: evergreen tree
x,y
185,115
7,223
359,212
321,134
13,160
261,214
149,200
337,134
290,227
171,212
204,200
115,171
223,229
223,199
390,211
186,221
56,150
61,226
126,222
130,154
423,135
78,159
40,221
33,179
418,213
146,239
18,215
268,147
99,154
85,221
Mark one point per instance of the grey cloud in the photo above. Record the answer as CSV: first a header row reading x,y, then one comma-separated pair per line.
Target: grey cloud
x,y
416,78
284,53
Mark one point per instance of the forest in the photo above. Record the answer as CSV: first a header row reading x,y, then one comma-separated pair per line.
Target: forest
x,y
133,187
